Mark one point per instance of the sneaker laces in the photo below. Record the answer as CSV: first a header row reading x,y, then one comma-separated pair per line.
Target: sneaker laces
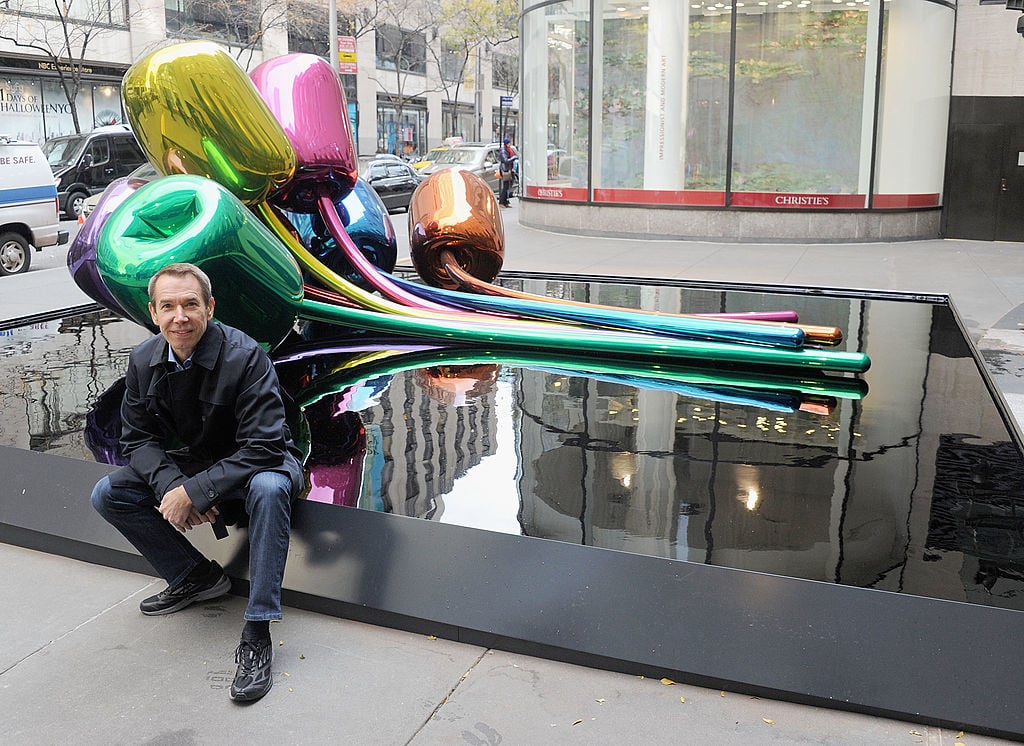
x,y
251,654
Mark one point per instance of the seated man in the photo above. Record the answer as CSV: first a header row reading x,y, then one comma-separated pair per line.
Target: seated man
x,y
203,424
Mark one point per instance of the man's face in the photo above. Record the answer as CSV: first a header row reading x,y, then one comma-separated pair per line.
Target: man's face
x,y
180,312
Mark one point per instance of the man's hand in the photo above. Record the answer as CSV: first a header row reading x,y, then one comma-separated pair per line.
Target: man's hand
x,y
178,510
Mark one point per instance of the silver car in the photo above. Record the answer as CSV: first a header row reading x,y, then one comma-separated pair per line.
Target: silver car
x,y
480,159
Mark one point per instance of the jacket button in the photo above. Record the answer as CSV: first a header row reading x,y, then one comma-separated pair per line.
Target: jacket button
x,y
211,493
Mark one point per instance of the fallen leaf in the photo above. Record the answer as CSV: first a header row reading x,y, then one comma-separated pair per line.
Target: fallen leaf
x,y
769,721
722,694
290,689
961,733
302,657
682,699
959,743
280,642
431,637
916,733
601,701
577,722
667,682
287,674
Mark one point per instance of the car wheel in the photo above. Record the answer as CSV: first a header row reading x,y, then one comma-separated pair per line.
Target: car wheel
x,y
15,256
73,204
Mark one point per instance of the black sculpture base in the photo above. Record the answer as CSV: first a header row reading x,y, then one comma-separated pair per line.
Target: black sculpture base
x,y
896,654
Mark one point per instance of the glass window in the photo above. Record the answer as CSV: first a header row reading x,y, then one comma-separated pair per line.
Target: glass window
x,y
21,105
100,151
57,112
664,104
107,104
913,105
456,120
556,110
505,72
401,132
802,121
235,22
401,49
452,62
96,11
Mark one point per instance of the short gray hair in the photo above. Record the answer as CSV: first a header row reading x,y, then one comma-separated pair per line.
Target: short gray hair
x,y
183,269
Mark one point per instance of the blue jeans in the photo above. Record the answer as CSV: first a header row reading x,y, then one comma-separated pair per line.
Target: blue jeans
x,y
132,510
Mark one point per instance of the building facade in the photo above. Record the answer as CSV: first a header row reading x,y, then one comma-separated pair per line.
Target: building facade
x,y
404,107
784,120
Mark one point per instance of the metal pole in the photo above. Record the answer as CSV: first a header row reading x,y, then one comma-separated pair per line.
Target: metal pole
x,y
332,33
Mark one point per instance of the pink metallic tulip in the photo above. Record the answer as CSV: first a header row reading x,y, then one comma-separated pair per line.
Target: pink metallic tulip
x,y
308,101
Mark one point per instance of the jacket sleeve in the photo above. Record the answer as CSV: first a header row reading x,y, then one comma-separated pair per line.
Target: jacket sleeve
x,y
260,436
142,439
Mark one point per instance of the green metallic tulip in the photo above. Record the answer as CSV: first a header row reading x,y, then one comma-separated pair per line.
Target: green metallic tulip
x,y
192,219
195,111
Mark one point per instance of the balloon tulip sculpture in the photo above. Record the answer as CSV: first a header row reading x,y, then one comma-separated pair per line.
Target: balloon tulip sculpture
x,y
261,185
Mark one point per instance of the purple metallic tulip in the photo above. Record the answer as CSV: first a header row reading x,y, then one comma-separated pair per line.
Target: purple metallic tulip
x,y
82,253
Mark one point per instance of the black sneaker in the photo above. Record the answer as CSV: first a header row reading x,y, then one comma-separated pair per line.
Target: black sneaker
x,y
253,678
211,584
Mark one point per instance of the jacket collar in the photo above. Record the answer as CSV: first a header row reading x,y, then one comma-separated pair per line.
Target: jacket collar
x,y
205,354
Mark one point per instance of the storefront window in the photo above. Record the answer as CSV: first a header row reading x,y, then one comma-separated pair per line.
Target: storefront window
x,y
457,120
664,105
913,105
106,100
57,114
21,109
556,78
764,103
401,132
802,121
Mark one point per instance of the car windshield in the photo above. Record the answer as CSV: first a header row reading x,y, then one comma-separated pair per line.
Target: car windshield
x,y
458,155
433,155
61,151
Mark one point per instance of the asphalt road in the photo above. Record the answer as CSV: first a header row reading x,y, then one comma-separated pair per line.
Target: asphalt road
x,y
54,256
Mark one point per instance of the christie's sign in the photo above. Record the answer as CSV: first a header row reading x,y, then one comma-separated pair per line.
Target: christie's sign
x,y
573,194
789,200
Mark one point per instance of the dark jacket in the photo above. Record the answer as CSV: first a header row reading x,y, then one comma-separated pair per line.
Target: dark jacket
x,y
211,427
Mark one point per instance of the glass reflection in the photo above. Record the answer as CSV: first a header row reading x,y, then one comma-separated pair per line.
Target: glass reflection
x,y
913,487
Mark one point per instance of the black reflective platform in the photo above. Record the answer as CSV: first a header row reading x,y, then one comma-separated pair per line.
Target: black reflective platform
x,y
857,544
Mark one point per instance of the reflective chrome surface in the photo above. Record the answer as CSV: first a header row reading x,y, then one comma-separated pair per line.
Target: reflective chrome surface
x,y
914,488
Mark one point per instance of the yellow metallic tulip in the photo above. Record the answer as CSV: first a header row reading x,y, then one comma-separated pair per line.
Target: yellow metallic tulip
x,y
195,111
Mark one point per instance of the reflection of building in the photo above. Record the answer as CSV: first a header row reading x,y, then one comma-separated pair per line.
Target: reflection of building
x,y
55,372
806,120
426,444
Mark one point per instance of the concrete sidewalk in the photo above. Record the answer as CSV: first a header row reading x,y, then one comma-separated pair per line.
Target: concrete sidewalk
x,y
81,665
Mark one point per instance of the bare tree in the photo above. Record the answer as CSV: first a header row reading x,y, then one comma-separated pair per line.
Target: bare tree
x,y
61,32
468,28
240,23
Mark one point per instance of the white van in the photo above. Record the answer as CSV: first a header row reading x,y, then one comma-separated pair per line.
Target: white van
x,y
28,205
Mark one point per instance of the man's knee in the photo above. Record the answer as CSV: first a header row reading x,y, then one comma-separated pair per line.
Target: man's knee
x,y
272,486
101,496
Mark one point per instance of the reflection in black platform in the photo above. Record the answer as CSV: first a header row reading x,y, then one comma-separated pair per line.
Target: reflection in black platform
x,y
978,510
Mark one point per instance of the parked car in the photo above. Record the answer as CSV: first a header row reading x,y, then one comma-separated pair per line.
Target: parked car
x,y
429,158
85,164
28,205
479,158
393,181
142,174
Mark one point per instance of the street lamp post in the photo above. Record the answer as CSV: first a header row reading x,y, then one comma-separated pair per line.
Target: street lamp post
x,y
332,33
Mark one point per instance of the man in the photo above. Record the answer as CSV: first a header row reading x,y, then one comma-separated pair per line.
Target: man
x,y
203,429
507,159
